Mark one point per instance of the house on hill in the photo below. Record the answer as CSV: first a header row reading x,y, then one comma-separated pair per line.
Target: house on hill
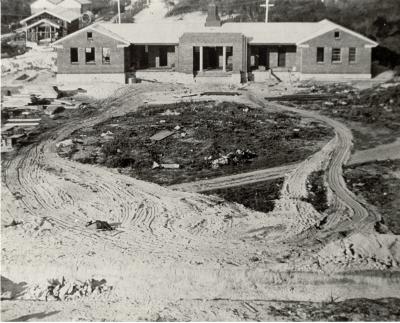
x,y
54,19
79,6
213,52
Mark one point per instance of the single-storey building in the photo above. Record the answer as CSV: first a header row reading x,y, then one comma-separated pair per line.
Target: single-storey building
x,y
213,52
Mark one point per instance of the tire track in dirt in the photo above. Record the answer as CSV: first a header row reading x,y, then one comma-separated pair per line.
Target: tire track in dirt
x,y
337,153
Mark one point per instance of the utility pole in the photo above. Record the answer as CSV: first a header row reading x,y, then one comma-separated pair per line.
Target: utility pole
x,y
266,5
119,11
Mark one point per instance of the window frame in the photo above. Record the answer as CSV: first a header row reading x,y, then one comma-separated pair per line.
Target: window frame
x,y
338,34
77,55
91,35
340,55
354,61
94,56
102,56
323,55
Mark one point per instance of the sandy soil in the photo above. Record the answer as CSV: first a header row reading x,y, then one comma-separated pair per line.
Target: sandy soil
x,y
172,249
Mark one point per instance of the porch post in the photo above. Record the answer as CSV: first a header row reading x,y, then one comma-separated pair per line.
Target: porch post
x,y
201,59
224,58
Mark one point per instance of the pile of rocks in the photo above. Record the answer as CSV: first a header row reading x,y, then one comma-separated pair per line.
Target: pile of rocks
x,y
63,290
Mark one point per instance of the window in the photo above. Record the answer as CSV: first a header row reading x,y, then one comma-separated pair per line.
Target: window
x,y
352,55
89,35
320,54
281,57
337,34
90,56
106,55
336,55
74,55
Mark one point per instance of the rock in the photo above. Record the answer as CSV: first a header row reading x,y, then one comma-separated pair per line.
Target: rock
x,y
65,143
64,291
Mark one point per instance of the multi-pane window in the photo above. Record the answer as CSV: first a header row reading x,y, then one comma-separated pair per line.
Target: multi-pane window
x,y
74,55
337,34
352,55
106,55
336,55
89,35
320,54
281,57
90,55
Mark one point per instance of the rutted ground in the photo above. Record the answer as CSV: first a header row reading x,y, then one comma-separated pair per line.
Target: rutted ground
x,y
173,245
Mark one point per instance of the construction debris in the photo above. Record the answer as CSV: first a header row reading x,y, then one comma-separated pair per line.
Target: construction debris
x,y
100,225
220,93
65,143
235,158
61,290
13,224
300,97
161,135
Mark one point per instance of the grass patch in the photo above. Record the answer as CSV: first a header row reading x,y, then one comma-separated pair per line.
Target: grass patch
x,y
258,196
373,115
208,140
378,183
317,193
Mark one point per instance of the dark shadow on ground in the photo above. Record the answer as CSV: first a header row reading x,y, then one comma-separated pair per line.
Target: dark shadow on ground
x,y
11,290
35,316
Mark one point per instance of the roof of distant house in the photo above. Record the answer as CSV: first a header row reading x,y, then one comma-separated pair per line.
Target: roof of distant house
x,y
258,32
57,2
59,12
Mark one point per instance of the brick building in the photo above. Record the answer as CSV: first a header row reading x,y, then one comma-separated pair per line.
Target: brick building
x,y
213,52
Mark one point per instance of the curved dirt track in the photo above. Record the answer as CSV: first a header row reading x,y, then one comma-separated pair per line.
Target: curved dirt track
x,y
346,212
169,244
235,180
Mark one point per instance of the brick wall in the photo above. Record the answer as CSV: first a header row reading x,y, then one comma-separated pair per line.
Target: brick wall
x,y
118,62
308,56
190,40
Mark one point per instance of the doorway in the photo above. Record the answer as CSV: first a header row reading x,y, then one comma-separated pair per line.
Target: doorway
x,y
163,56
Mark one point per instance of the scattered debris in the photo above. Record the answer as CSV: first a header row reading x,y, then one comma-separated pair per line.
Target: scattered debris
x,y
13,224
54,109
61,290
220,93
161,135
235,158
300,97
100,225
65,143
67,93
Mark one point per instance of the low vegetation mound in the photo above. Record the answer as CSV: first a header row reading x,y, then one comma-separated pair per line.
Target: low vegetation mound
x,y
188,141
378,183
372,114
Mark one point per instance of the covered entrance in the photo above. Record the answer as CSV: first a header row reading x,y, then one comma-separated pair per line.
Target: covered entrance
x,y
212,59
42,30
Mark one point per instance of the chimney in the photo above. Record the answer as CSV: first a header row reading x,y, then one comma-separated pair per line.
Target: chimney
x,y
213,19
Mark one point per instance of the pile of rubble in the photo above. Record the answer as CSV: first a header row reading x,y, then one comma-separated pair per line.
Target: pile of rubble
x,y
235,158
63,290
